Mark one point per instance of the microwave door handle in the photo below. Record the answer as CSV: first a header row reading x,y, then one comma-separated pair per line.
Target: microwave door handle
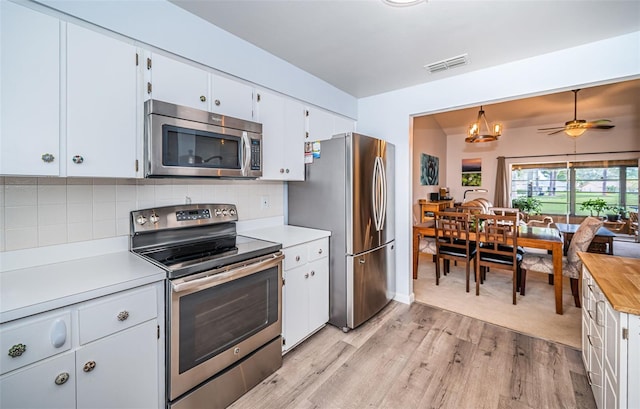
x,y
246,154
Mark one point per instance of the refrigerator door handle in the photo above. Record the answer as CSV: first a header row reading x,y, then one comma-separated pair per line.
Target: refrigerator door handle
x,y
383,199
374,193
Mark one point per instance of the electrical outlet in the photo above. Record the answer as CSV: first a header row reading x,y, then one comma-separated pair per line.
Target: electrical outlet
x,y
264,202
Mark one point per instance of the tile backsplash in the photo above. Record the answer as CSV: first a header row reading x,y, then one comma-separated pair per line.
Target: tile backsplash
x,y
36,212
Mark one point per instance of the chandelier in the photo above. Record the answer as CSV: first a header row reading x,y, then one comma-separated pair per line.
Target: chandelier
x,y
476,134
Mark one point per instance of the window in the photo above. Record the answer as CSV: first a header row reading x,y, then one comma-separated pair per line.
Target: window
x,y
561,187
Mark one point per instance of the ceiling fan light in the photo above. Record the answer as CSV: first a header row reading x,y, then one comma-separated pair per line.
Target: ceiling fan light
x,y
575,132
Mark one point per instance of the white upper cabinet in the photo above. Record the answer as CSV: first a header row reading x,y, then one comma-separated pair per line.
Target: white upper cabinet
x,y
180,83
343,125
231,98
30,88
282,121
177,82
322,125
319,125
101,105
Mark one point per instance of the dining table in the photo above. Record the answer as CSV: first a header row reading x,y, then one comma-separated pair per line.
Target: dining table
x,y
545,238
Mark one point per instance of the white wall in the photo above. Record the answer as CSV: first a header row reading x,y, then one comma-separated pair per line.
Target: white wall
x,y
387,115
428,138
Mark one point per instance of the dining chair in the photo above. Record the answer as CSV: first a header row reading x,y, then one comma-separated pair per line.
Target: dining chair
x,y
497,247
571,264
633,225
452,242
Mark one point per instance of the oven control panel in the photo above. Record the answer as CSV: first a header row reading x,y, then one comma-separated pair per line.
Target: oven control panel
x,y
172,217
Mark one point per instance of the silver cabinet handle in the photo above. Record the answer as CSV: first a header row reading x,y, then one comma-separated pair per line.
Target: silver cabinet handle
x,y
203,98
313,273
17,350
217,102
48,158
123,315
62,378
297,258
281,170
77,159
306,275
89,366
319,251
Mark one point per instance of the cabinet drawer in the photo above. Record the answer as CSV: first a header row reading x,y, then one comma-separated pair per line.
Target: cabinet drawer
x,y
295,256
318,249
115,313
38,337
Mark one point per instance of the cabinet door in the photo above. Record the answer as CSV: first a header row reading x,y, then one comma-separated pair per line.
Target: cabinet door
x,y
30,88
343,125
296,300
282,136
294,139
101,105
319,125
232,98
125,374
179,83
37,386
318,293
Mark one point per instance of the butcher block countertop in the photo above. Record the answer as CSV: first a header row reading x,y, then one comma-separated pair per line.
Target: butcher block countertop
x,y
618,278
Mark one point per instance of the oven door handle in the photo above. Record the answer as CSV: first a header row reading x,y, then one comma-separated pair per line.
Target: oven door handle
x,y
212,278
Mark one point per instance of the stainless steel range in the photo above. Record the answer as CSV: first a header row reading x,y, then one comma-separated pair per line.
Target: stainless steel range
x,y
223,297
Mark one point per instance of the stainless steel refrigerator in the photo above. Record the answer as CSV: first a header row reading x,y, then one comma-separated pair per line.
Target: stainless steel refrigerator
x,y
349,190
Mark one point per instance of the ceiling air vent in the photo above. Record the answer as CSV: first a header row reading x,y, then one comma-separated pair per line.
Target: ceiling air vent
x,y
449,63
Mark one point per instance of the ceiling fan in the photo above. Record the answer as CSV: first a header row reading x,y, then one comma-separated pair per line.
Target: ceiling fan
x,y
577,127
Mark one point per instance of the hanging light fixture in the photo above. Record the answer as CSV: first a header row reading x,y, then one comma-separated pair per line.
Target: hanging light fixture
x,y
476,135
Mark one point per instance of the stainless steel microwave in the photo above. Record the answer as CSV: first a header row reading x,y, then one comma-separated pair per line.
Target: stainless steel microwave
x,y
181,141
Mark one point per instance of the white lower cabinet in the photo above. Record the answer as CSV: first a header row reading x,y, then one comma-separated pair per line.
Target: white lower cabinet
x,y
59,359
306,291
610,349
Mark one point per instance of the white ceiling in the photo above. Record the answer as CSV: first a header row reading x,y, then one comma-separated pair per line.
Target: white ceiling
x,y
365,47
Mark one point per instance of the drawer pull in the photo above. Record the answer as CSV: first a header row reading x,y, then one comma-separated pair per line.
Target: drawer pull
x,y
319,251
62,378
17,350
306,275
297,258
123,315
89,366
313,273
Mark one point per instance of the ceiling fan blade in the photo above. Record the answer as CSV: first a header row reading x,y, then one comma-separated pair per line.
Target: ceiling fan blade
x,y
555,132
552,128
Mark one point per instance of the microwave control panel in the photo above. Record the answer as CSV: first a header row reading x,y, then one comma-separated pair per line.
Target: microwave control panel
x,y
255,154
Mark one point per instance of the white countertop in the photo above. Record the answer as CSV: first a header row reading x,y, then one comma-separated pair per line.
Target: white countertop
x,y
33,290
287,235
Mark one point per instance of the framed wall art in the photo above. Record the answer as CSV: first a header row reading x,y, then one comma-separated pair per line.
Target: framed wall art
x,y
429,170
472,172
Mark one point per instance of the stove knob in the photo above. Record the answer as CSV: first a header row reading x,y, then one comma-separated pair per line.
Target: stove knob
x,y
225,212
141,220
232,212
218,212
154,218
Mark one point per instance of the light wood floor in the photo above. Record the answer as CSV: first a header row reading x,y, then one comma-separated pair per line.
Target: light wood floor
x,y
422,357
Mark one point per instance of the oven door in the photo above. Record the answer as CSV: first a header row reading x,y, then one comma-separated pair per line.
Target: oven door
x,y
221,316
180,147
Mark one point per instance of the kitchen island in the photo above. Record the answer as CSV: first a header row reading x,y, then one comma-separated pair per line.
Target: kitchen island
x,y
611,328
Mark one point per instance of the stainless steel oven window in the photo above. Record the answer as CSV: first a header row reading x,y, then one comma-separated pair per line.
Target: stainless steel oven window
x,y
198,148
217,318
